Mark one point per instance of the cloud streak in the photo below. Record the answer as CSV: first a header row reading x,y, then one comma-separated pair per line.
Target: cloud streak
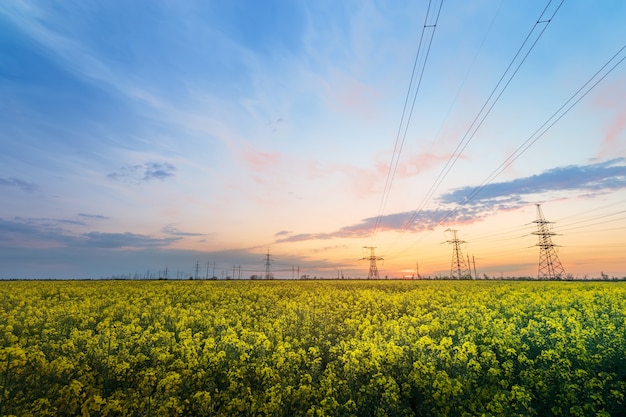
x,y
30,232
594,178
172,231
93,216
453,209
121,240
145,172
19,184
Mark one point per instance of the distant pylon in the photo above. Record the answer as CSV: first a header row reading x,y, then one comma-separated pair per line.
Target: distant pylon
x,y
373,273
549,265
458,268
268,262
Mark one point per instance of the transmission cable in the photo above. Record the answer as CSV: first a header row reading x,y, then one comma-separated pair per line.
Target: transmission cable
x,y
590,211
486,109
401,136
467,73
543,129
482,114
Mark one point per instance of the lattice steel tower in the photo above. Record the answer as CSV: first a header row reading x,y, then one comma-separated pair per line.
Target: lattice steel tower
x,y
549,265
268,263
373,273
458,268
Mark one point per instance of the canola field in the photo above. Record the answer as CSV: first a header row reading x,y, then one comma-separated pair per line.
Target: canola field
x,y
314,348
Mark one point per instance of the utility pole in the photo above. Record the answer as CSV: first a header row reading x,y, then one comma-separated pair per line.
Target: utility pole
x,y
373,272
268,262
549,264
458,268
197,269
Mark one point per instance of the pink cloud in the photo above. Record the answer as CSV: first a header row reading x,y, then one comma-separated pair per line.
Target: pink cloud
x,y
256,170
420,162
611,102
615,128
363,182
357,97
348,95
260,161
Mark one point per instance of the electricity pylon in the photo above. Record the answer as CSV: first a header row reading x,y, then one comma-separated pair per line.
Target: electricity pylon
x,y
268,263
458,268
373,273
549,264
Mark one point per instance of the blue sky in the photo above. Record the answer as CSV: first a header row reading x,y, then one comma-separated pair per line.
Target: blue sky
x,y
141,135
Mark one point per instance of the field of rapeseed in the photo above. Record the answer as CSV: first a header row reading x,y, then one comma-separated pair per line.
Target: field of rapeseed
x,y
339,348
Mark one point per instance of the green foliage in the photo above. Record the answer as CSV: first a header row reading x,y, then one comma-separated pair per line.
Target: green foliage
x,y
312,348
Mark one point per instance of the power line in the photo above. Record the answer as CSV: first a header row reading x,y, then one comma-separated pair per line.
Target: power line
x,y
595,224
511,70
400,136
387,189
514,232
469,69
543,129
592,210
589,85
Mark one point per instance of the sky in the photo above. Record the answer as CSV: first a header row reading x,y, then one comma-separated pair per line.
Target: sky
x,y
206,137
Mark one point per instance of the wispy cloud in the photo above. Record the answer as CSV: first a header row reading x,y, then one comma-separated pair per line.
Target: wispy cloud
x,y
19,184
122,240
159,171
43,232
594,178
609,102
172,231
588,180
46,222
259,160
93,216
31,232
143,172
36,22
347,95
425,220
419,162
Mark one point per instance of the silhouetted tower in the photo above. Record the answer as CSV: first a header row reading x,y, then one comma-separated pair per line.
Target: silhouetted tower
x,y
458,268
373,273
549,265
268,262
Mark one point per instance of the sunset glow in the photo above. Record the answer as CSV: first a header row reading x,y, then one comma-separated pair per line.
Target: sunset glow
x,y
139,137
